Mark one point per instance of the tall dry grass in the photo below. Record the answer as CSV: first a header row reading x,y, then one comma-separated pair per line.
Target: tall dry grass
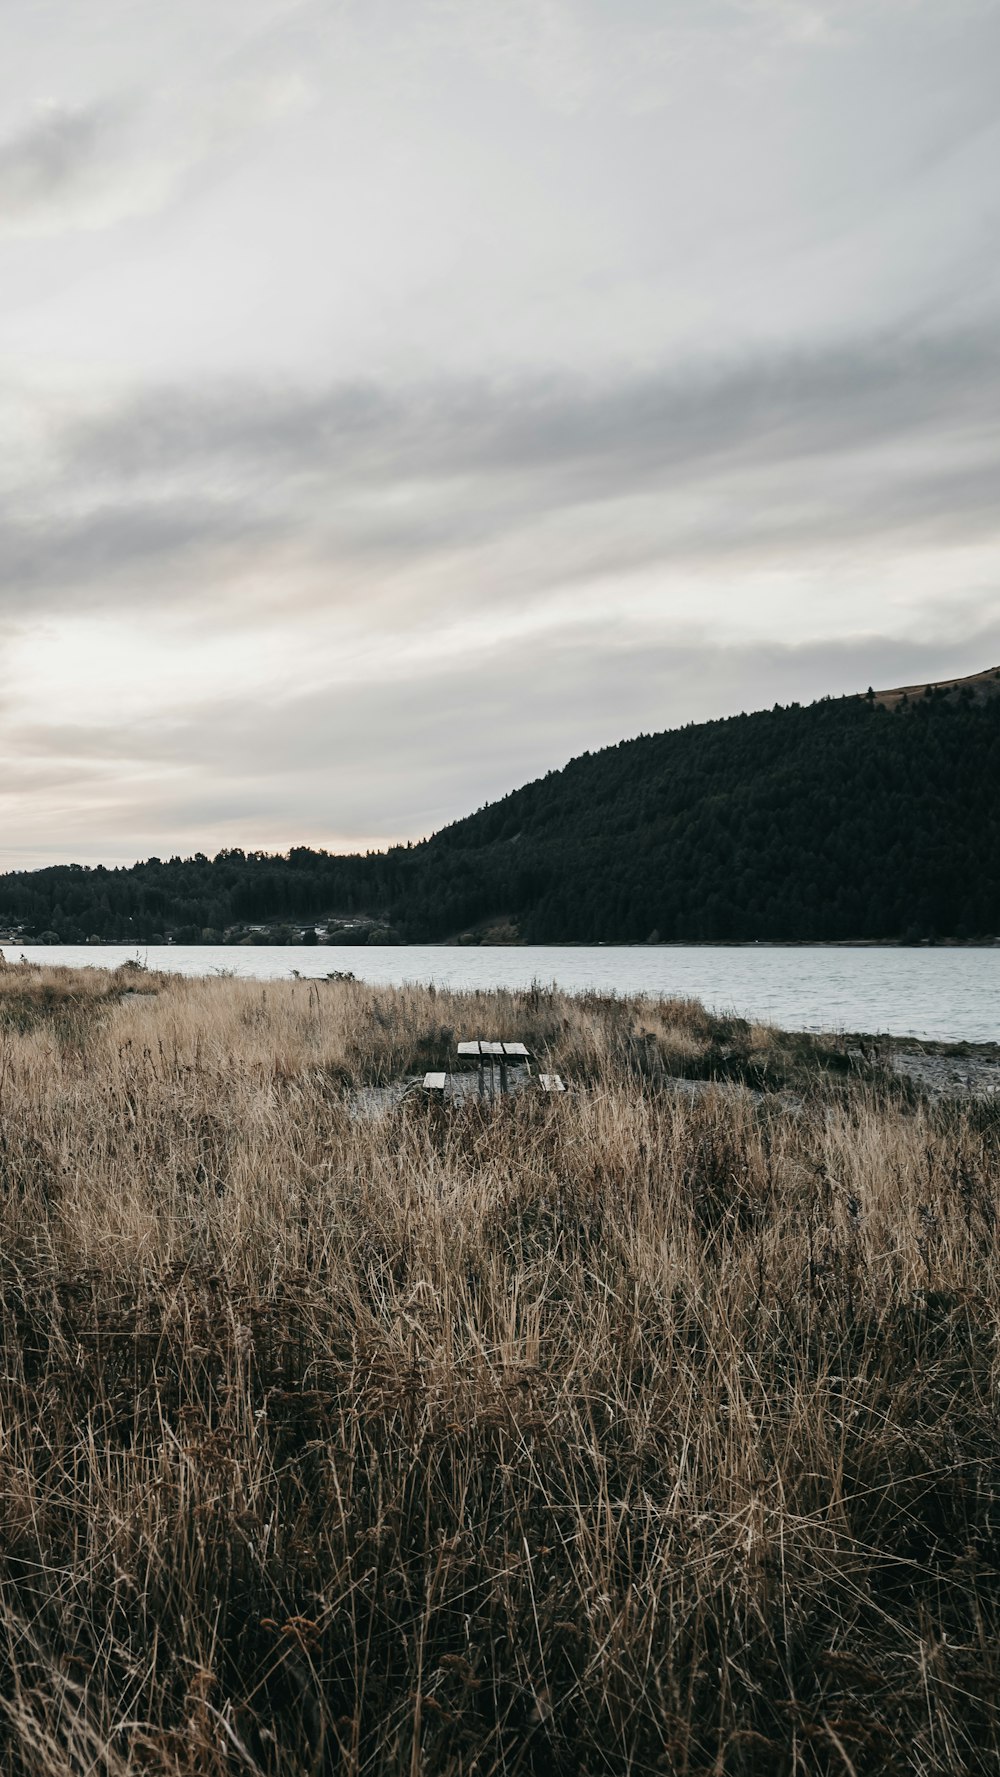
x,y
624,1433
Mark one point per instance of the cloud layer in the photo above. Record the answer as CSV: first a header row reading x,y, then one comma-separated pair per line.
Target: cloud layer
x,y
399,400
866,444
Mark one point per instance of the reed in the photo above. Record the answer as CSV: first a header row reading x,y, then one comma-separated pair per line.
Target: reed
x,y
639,1431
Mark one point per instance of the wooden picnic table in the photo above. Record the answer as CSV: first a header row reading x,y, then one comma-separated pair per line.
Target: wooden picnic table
x,y
488,1051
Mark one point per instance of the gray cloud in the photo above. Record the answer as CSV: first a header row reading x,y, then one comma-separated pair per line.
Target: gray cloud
x,y
125,553
52,157
844,397
130,155
791,451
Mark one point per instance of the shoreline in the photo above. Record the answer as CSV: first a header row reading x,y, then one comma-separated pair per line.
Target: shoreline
x,y
948,998
937,1067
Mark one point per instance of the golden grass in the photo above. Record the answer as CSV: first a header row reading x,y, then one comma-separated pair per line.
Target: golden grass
x,y
623,1433
984,682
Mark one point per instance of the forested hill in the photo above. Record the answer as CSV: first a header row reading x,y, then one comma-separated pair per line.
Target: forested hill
x,y
867,817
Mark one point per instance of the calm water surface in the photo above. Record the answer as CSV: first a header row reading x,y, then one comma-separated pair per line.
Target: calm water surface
x,y
948,995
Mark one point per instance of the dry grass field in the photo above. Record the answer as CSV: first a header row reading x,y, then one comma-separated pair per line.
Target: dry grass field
x,y
631,1432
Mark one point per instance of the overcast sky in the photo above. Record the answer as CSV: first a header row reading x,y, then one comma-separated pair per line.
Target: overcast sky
x,y
401,397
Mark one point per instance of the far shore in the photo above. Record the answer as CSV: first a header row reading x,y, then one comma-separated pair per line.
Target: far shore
x,y
15,940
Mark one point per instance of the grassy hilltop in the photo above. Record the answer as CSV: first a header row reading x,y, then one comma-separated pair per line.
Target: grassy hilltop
x,y
653,1429
872,817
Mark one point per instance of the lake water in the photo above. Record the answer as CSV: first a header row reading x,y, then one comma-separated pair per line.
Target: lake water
x,y
947,995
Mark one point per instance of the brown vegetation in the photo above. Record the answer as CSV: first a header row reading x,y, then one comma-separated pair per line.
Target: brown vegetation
x,y
630,1432
978,685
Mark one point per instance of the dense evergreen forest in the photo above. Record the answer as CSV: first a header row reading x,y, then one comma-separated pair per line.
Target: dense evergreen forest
x,y
844,819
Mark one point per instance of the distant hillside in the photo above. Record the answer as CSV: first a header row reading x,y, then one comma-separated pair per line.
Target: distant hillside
x,y
867,817
979,685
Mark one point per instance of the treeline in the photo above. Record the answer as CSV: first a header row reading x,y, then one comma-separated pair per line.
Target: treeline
x,y
839,820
